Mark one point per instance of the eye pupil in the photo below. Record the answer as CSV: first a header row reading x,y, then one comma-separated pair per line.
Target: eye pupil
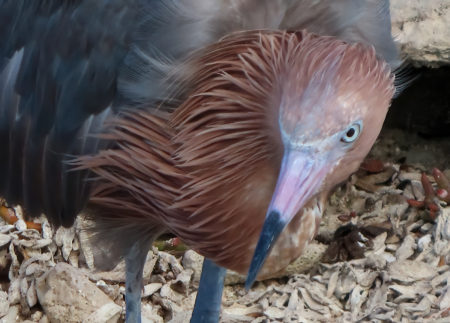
x,y
351,132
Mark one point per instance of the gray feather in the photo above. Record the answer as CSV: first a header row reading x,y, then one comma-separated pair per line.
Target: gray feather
x,y
173,29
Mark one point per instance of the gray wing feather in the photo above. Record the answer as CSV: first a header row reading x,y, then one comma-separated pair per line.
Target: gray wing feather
x,y
366,21
174,28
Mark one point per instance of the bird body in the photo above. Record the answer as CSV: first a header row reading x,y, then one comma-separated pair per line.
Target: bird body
x,y
222,122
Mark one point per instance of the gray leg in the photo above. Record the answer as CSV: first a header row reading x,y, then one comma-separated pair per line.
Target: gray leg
x,y
134,262
209,295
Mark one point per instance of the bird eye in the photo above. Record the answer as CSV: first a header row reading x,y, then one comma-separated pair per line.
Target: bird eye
x,y
352,133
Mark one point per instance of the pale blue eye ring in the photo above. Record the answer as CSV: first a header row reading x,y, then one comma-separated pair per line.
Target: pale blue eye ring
x,y
352,132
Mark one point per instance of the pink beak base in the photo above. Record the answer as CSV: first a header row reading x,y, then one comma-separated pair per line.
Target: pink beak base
x,y
299,178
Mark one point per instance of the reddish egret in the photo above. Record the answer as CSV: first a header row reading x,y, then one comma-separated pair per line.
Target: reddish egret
x,y
221,122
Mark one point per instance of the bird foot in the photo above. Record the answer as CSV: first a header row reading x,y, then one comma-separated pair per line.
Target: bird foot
x,y
442,193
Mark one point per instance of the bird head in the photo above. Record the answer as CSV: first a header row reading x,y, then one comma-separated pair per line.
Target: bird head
x,y
332,99
310,105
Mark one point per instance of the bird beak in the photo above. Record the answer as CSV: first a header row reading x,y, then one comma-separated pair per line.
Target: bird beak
x,y
301,174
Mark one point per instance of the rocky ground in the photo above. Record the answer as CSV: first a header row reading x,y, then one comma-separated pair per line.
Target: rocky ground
x,y
377,258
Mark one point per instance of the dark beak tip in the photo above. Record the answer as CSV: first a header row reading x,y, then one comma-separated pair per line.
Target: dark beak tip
x,y
272,228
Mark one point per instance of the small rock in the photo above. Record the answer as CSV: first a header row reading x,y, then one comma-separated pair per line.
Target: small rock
x,y
441,279
408,271
14,292
47,231
67,295
5,259
444,301
64,238
443,226
109,313
357,297
151,288
240,310
293,301
85,243
388,257
169,293
73,259
424,242
44,319
4,303
264,303
274,313
310,301
150,314
365,278
411,292
34,269
21,225
37,316
42,243
23,288
12,315
332,283
346,283
31,295
181,283
426,227
166,259
406,249
379,243
194,261
158,279
392,247
6,228
111,290
4,239
281,301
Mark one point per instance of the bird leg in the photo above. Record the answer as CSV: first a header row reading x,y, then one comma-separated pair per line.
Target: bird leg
x,y
134,262
209,295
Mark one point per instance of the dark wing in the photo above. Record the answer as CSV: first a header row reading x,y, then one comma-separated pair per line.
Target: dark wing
x,y
59,62
62,64
65,65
